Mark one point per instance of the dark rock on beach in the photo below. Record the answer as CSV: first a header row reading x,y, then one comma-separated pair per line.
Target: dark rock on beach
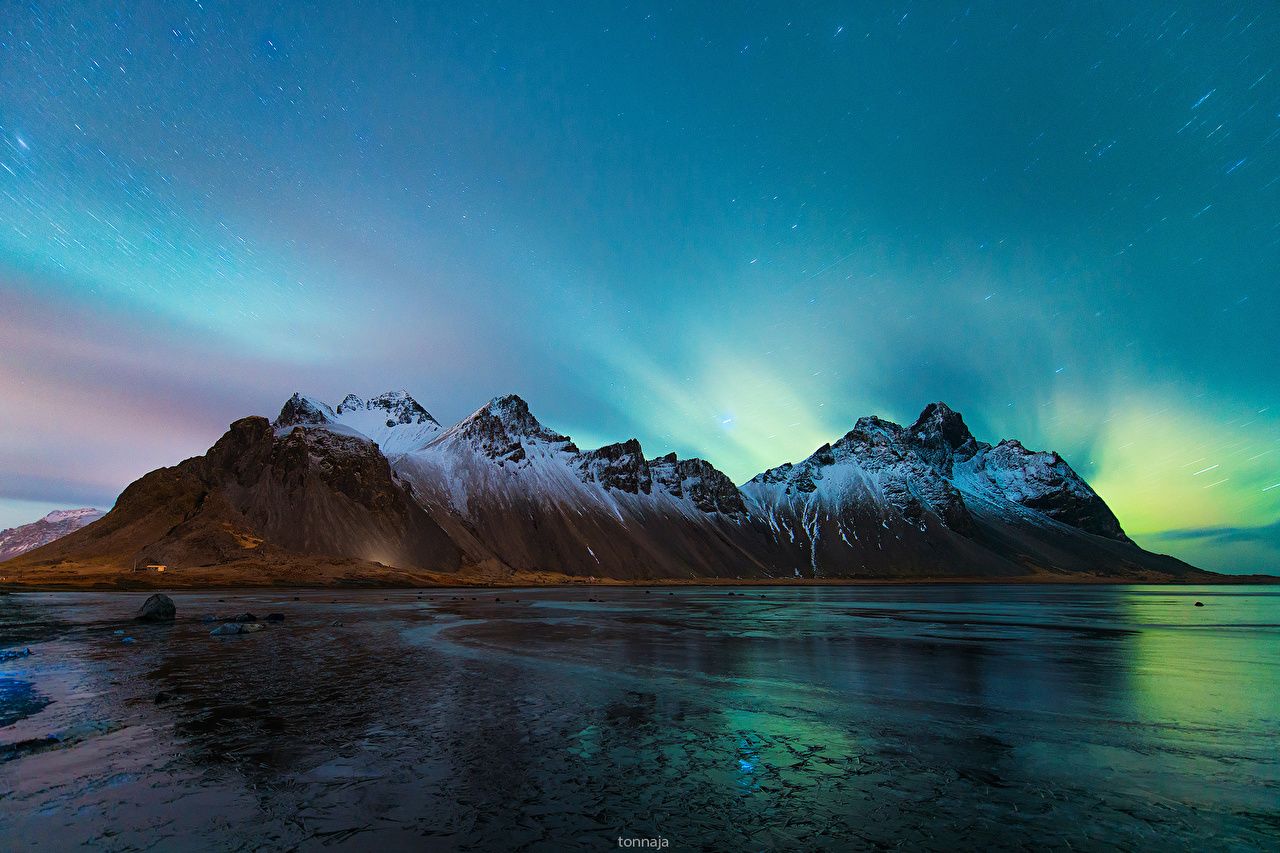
x,y
157,608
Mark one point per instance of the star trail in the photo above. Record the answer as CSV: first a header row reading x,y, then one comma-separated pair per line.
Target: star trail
x,y
728,231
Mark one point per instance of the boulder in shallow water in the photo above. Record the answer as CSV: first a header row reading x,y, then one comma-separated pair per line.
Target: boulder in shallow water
x,y
231,628
275,617
157,608
244,617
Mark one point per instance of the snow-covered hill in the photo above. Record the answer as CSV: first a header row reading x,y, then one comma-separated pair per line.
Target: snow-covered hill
x,y
55,525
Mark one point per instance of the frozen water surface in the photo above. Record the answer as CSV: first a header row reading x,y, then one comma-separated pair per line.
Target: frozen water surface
x,y
920,717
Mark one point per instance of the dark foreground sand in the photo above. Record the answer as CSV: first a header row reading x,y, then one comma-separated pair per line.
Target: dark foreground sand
x,y
936,717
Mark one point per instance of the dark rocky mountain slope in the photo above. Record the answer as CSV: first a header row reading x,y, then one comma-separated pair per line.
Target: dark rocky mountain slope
x,y
262,496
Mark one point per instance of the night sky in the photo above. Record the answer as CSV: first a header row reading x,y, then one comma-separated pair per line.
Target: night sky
x,y
728,231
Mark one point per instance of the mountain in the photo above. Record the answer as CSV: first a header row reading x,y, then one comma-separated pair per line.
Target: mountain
x,y
55,525
288,501
376,491
540,504
394,420
932,500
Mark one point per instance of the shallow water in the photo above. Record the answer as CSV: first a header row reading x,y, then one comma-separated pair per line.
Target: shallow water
x,y
922,717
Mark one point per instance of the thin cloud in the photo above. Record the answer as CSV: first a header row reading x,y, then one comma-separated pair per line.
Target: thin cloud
x,y
1269,533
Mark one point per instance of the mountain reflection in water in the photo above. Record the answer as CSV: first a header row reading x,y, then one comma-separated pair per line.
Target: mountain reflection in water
x,y
936,717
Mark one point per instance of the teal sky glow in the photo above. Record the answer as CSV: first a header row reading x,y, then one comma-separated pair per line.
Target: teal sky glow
x,y
726,231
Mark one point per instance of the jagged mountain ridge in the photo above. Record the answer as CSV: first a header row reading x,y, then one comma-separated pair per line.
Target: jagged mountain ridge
x,y
503,490
937,466
932,493
539,503
928,499
395,421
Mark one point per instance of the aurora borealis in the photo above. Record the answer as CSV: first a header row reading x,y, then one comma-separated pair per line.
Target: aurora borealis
x,y
727,231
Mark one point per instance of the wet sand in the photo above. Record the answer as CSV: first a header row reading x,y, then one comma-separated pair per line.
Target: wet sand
x,y
935,717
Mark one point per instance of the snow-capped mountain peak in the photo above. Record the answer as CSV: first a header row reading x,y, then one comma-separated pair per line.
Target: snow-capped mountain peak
x,y
506,431
301,410
1041,481
401,408
872,465
60,515
936,465
350,403
396,407
394,420
513,412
